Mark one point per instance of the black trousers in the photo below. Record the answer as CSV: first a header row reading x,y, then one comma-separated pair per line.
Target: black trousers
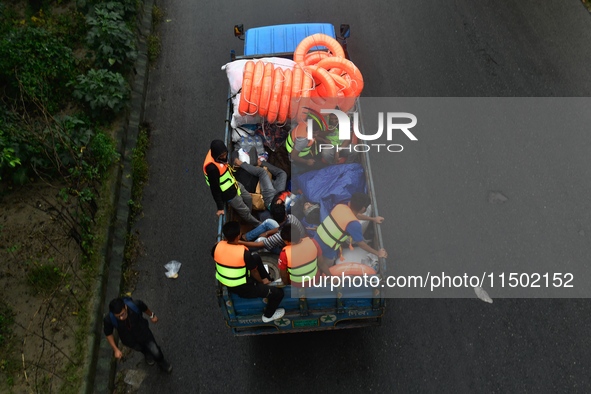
x,y
254,289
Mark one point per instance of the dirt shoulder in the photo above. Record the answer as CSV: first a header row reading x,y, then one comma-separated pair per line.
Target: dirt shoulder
x,y
42,285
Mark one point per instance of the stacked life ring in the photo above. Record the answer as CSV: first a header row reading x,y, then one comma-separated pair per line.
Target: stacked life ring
x,y
320,79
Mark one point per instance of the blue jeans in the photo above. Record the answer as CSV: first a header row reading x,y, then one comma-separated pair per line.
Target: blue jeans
x,y
267,225
150,349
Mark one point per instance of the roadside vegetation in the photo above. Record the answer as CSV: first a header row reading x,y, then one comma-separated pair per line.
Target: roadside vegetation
x,y
65,68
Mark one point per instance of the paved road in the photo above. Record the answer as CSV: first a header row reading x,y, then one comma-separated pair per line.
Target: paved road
x,y
405,48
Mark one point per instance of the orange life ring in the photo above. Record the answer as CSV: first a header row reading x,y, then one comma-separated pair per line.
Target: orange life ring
x,y
296,90
315,40
275,100
346,66
345,93
255,92
325,93
266,89
312,58
321,76
304,99
285,97
246,88
351,269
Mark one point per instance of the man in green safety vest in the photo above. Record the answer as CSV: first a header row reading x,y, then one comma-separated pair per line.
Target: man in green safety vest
x,y
303,152
243,273
298,261
224,187
342,223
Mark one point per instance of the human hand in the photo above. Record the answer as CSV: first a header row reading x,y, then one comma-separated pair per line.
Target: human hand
x,y
220,212
382,253
118,354
310,162
154,319
378,219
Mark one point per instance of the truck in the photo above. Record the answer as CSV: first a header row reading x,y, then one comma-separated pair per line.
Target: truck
x,y
342,307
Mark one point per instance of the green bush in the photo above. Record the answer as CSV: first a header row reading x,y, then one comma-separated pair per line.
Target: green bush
x,y
70,27
109,36
8,159
70,145
103,90
36,63
127,8
103,151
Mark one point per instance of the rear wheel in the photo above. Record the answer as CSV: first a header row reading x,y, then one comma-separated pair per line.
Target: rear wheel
x,y
270,262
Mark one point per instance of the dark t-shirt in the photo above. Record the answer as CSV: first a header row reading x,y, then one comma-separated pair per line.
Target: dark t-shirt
x,y
132,330
220,197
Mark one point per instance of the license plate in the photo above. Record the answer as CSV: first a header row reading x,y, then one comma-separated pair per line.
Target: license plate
x,y
305,323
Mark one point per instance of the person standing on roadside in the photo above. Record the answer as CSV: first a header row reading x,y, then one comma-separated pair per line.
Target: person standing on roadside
x,y
125,316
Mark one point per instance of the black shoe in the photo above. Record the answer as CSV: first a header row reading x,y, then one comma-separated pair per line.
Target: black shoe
x,y
149,359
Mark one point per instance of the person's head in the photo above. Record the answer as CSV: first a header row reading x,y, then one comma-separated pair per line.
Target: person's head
x,y
289,236
231,231
219,151
333,121
278,213
118,308
312,213
359,202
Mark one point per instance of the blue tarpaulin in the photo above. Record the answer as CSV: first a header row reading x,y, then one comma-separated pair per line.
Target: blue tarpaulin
x,y
332,185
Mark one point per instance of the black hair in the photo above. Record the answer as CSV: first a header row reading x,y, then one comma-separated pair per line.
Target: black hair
x,y
116,306
313,217
278,213
217,148
359,201
231,230
291,236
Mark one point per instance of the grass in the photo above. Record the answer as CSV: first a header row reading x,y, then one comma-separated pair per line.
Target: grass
x,y
139,168
45,278
8,366
154,47
154,43
157,16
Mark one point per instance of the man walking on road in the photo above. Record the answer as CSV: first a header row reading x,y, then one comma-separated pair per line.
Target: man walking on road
x,y
125,315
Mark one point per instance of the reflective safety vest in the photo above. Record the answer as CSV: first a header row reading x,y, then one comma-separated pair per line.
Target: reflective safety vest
x,y
332,230
333,137
229,264
302,260
227,180
300,131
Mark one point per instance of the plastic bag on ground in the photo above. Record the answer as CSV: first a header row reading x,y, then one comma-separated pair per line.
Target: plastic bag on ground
x,y
173,268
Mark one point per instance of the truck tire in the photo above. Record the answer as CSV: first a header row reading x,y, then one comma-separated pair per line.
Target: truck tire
x,y
270,260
